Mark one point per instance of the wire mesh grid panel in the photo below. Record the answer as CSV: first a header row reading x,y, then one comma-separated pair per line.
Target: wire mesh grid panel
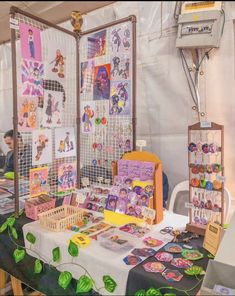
x,y
46,107
106,100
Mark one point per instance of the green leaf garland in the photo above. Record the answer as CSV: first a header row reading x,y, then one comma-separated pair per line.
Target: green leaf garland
x,y
84,284
56,254
19,255
37,266
64,279
73,249
31,238
109,284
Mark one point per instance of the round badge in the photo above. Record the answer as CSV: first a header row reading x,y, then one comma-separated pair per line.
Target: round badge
x,y
164,256
103,120
203,183
97,121
195,182
181,263
217,185
173,248
195,169
192,254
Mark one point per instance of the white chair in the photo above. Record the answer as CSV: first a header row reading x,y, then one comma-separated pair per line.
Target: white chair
x,y
184,186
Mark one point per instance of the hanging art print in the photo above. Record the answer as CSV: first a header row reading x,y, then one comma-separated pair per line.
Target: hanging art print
x,y
67,175
31,75
56,65
30,40
87,76
120,100
96,44
41,147
38,180
27,113
101,90
53,110
87,117
65,142
120,38
120,67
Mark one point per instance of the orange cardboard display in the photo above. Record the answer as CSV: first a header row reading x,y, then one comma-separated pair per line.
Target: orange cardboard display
x,y
156,202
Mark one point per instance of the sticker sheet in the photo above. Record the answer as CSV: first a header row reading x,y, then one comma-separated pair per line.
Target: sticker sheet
x,y
55,68
67,176
27,113
41,147
65,145
52,114
87,117
120,98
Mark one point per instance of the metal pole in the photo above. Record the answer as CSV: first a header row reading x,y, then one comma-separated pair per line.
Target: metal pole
x,y
78,111
15,117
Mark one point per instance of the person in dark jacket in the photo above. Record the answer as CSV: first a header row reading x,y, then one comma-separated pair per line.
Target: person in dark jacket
x,y
25,154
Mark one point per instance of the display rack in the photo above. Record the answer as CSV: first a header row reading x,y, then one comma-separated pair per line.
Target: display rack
x,y
116,133
156,202
112,120
206,175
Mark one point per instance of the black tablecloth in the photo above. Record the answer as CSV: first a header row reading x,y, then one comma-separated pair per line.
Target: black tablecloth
x,y
140,279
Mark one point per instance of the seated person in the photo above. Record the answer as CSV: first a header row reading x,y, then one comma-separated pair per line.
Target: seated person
x,y
165,189
25,154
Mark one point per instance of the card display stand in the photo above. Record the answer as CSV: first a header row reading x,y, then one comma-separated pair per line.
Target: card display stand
x,y
156,202
206,175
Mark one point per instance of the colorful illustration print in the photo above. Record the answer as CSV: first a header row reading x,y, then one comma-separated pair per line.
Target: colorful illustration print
x,y
101,90
30,40
38,180
67,175
27,113
31,75
120,99
96,44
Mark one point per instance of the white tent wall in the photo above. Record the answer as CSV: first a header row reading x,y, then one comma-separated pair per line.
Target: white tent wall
x,y
164,104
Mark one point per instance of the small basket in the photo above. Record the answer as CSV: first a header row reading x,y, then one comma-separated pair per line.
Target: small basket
x,y
32,210
60,218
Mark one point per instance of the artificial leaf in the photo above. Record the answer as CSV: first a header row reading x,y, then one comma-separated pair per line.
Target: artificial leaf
x,y
14,233
64,279
31,238
109,283
11,221
140,293
18,255
194,270
153,292
3,227
37,266
170,294
73,249
84,284
56,254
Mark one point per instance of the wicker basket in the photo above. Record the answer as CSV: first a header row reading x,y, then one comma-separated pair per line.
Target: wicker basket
x,y
60,218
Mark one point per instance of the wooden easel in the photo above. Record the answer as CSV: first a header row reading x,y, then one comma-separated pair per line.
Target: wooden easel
x,y
157,202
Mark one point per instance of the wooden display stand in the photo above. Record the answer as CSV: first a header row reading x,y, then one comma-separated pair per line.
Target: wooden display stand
x,y
157,202
197,128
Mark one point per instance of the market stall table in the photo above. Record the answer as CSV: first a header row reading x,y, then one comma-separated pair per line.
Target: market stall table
x,y
96,265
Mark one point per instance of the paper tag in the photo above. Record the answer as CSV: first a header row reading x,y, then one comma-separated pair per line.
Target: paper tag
x,y
107,181
205,124
220,178
15,27
221,290
14,24
85,181
14,21
141,143
148,213
81,197
189,205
